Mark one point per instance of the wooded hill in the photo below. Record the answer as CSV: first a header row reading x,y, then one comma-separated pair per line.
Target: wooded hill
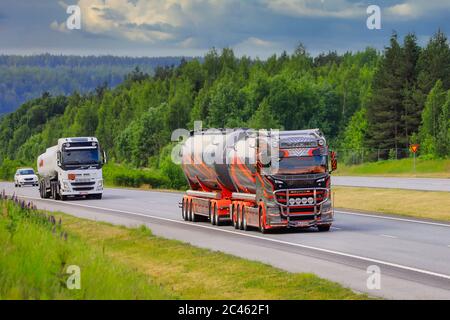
x,y
26,77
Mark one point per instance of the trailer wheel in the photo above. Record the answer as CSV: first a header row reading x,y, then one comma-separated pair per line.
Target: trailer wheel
x,y
184,210
216,216
190,213
236,216
324,227
244,219
262,225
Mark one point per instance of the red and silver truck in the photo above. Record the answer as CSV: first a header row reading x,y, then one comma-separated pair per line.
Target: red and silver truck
x,y
262,179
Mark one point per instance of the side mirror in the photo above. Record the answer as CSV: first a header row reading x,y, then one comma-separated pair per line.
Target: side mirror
x,y
104,157
333,161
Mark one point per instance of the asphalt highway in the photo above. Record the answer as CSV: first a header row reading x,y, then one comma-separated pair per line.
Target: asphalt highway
x,y
412,255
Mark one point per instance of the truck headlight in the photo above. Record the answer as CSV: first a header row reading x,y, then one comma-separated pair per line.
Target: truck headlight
x,y
326,206
66,185
100,185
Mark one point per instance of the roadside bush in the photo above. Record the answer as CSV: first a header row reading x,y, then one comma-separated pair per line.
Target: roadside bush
x,y
120,175
8,169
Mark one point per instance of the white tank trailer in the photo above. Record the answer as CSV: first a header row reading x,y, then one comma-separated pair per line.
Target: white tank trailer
x,y
72,168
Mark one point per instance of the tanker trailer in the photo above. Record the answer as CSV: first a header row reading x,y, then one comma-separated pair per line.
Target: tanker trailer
x,y
71,168
261,179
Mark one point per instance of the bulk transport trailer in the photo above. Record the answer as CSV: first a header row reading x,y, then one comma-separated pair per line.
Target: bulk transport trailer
x,y
234,177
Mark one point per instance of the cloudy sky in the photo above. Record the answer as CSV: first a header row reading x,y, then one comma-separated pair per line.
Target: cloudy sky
x,y
191,27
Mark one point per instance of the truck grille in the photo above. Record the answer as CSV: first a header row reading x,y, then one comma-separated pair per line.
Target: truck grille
x,y
302,217
319,195
83,183
83,188
28,179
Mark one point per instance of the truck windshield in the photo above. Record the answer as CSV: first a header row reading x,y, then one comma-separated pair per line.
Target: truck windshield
x,y
300,165
82,156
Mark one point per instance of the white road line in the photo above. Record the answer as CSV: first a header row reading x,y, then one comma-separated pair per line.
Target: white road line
x,y
395,265
336,228
394,218
388,236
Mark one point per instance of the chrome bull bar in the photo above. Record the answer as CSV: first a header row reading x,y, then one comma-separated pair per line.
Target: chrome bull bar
x,y
314,204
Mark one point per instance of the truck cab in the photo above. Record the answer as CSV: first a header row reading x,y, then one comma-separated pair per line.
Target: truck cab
x,y
296,190
72,168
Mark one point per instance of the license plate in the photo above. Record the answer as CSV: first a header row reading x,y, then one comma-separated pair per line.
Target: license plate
x,y
301,224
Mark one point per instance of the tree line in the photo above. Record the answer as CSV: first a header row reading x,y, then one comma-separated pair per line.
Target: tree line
x,y
360,100
26,77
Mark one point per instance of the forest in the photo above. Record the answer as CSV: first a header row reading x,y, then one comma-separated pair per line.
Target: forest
x,y
26,77
371,106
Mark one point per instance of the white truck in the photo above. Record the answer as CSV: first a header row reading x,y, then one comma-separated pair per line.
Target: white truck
x,y
72,168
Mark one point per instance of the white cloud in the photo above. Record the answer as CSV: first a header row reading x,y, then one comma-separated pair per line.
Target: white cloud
x,y
315,8
259,47
411,9
177,21
61,27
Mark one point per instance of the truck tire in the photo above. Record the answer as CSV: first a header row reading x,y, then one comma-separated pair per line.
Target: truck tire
x,y
41,190
262,225
216,216
189,208
241,217
244,219
238,217
212,219
54,191
184,210
324,227
235,216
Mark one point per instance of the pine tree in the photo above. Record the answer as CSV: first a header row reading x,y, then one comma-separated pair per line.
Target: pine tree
x,y
433,65
411,116
385,109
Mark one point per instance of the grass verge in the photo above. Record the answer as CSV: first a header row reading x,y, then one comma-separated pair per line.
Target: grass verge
x,y
121,263
401,168
419,204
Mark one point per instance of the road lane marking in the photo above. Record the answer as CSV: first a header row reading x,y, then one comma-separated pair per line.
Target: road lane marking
x,y
348,255
338,211
393,218
388,236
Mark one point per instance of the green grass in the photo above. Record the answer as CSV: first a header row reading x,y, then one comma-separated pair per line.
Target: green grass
x,y
404,167
34,258
121,263
120,175
420,204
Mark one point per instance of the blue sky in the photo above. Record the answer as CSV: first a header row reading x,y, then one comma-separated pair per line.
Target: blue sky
x,y
190,27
